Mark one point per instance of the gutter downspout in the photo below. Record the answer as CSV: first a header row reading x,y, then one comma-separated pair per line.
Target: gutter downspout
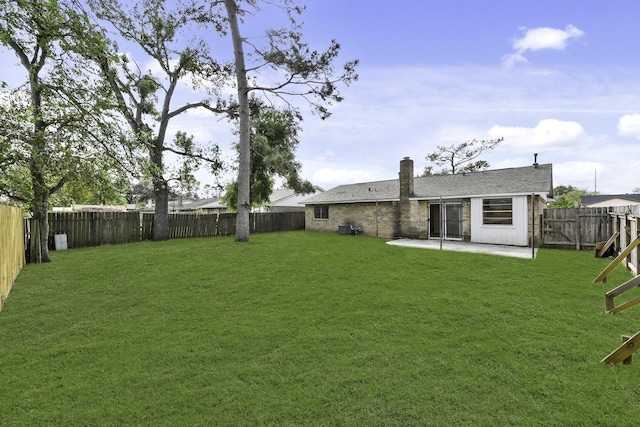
x,y
533,226
377,214
441,222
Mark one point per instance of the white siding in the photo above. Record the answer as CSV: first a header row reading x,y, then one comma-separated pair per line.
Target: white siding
x,y
515,234
613,202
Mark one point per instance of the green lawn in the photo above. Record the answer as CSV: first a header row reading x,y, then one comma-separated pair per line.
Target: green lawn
x,y
302,328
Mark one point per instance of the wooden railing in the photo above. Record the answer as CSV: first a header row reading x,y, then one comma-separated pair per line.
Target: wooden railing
x,y
625,239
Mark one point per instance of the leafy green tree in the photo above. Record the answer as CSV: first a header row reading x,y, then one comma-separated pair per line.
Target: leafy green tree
x,y
274,139
461,158
304,72
144,98
568,196
53,127
140,192
561,190
102,187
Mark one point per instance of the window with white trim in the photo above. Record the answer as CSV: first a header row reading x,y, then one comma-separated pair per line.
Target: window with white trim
x,y
497,211
321,212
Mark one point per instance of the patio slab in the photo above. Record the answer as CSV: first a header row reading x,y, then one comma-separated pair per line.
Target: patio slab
x,y
448,245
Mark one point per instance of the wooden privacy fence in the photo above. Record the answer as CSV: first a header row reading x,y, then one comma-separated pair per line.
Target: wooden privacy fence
x,y
83,229
579,228
12,248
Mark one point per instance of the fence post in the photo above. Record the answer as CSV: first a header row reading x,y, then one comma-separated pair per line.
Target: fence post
x,y
577,232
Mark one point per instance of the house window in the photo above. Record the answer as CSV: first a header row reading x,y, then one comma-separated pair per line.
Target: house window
x,y
497,211
321,212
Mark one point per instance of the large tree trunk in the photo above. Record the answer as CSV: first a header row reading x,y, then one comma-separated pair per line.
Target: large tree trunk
x,y
244,147
161,211
37,161
40,214
160,193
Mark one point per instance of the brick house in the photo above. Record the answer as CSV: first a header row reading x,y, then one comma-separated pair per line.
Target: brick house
x,y
502,206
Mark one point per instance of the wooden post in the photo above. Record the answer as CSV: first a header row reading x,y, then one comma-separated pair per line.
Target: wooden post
x,y
608,303
533,226
624,352
577,232
629,359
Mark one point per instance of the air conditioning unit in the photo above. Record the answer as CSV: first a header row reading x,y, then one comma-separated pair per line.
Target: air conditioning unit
x,y
344,229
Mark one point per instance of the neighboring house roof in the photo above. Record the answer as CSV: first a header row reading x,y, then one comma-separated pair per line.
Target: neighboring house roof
x,y
288,197
512,181
198,204
91,208
214,205
280,197
600,198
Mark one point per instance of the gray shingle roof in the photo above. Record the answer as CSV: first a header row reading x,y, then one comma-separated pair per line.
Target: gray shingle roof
x,y
588,200
511,181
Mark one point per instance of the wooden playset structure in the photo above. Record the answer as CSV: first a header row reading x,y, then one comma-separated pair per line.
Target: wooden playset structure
x,y
627,238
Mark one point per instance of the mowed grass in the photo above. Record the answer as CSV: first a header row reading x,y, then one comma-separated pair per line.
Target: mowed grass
x,y
303,328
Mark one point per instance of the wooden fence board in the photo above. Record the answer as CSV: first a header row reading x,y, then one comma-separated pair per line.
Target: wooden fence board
x,y
12,248
84,229
579,228
226,224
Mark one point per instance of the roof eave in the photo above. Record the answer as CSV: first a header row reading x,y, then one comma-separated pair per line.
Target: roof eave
x,y
342,202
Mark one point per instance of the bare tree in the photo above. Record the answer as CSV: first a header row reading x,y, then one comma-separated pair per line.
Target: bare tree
x,y
460,158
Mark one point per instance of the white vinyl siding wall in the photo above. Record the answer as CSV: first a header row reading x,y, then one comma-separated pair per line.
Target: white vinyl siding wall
x,y
515,234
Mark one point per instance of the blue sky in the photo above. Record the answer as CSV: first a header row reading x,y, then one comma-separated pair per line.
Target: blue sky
x,y
559,78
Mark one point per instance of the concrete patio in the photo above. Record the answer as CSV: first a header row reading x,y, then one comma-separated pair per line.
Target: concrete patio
x,y
449,245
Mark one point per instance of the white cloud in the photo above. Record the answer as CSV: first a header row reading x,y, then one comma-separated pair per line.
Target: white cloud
x,y
629,125
582,175
549,134
534,39
326,155
546,38
330,177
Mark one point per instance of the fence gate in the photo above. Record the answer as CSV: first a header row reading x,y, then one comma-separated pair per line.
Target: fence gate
x,y
579,228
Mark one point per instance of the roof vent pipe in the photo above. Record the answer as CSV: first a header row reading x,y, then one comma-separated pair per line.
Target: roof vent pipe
x,y
535,160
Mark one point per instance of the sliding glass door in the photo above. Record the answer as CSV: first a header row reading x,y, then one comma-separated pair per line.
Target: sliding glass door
x,y
451,227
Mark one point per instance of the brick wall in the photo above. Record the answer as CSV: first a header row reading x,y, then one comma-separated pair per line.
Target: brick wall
x,y
466,220
360,214
414,216
364,214
540,205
